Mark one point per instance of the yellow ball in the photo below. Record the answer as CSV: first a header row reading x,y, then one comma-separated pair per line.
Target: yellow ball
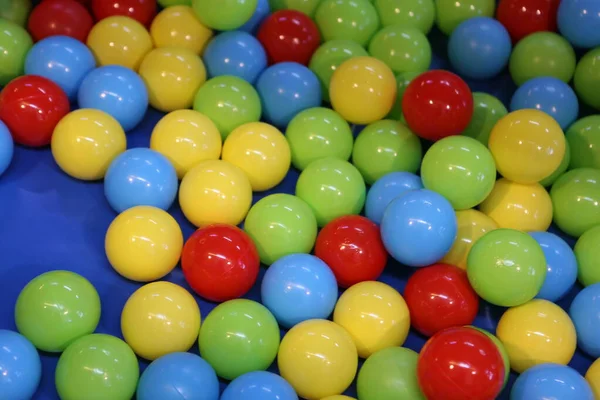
x,y
178,26
363,90
85,142
119,40
186,138
528,145
526,207
593,377
318,358
143,243
375,315
261,151
537,332
160,318
215,192
472,225
338,397
173,76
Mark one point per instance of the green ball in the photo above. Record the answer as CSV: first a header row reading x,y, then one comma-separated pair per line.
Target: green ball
x,y
355,20
229,102
224,15
418,14
451,13
16,11
583,138
576,200
386,146
239,336
542,54
170,3
318,133
506,267
402,48
461,169
562,168
587,252
502,351
587,78
281,224
487,110
332,188
15,43
97,367
55,308
308,7
390,374
403,80
329,56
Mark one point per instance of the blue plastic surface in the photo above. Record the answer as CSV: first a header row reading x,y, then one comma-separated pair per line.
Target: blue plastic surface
x,y
259,385
386,189
20,366
551,381
7,147
578,22
585,313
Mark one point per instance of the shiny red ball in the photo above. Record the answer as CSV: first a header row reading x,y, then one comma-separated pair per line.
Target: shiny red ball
x,y
352,247
438,297
524,17
31,106
289,35
459,364
220,262
142,11
60,17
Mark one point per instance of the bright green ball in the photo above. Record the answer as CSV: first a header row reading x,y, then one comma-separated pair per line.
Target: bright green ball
x,y
402,48
15,43
502,351
562,168
386,146
16,11
506,267
224,15
418,14
587,78
487,110
355,20
55,308
239,336
542,54
170,3
308,7
583,138
451,13
587,252
403,80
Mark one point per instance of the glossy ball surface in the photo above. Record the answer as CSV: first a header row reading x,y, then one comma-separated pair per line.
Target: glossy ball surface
x,y
143,11
7,148
178,26
60,17
418,14
15,43
585,313
487,111
583,138
524,17
450,14
559,381
592,377
577,21
586,79
386,189
259,385
347,19
586,251
402,48
21,366
224,15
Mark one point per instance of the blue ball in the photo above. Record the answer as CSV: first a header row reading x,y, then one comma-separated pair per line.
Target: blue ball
x,y
285,89
585,313
20,367
178,376
299,287
550,95
61,59
118,91
479,48
579,22
262,11
7,147
140,177
551,381
259,385
418,228
386,189
235,53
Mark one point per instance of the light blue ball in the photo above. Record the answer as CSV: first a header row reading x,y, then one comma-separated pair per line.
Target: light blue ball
x,y
551,381
550,95
140,177
259,385
7,148
262,11
386,189
479,48
20,367
61,59
418,228
585,313
178,376
118,91
299,287
285,89
579,22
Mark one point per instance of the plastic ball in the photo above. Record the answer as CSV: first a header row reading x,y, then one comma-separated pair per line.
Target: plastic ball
x,y
229,102
537,332
450,14
386,189
143,11
402,48
220,262
116,90
7,148
308,7
562,168
578,21
239,336
76,310
338,397
16,11
160,318
60,17
425,243
584,311
15,43
583,138
551,380
487,111
586,252
176,374
501,349
402,80
317,377
592,376
178,26
261,151
259,385
119,41
355,20
172,3
262,11
437,104
418,14
215,191
149,259
524,17
237,54
332,188
21,366
85,142
224,15
586,82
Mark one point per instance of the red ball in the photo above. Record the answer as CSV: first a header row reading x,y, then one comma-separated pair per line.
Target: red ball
x,y
60,17
439,297
459,364
351,246
524,17
142,11
220,262
31,106
289,35
437,104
